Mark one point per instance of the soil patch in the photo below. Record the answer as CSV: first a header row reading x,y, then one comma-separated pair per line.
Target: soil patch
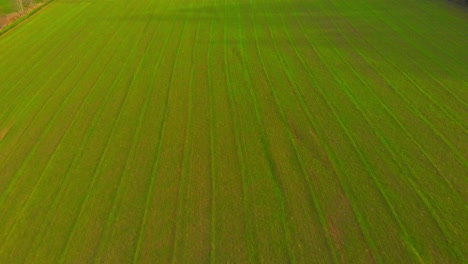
x,y
3,133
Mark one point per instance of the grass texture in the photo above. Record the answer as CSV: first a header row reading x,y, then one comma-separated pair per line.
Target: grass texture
x,y
235,131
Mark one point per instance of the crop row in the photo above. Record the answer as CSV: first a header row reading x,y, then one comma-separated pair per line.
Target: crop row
x,y
234,131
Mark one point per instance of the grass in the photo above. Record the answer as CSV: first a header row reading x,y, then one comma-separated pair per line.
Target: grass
x,y
234,131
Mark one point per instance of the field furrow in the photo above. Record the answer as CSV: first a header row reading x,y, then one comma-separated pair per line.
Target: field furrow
x,y
235,131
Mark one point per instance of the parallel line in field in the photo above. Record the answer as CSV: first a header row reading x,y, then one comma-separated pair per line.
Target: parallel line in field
x,y
107,233
272,170
330,243
45,131
41,136
394,87
158,150
425,40
401,96
332,156
394,156
455,44
330,153
436,217
452,94
83,201
447,182
36,58
385,79
375,129
390,154
404,22
431,98
423,91
323,222
13,36
96,171
381,138
79,152
66,40
191,105
344,87
30,103
419,49
37,181
156,162
23,112
456,97
253,256
172,79
436,132
212,159
21,44
428,54
77,157
14,102
293,142
363,226
188,147
460,47
36,19
182,189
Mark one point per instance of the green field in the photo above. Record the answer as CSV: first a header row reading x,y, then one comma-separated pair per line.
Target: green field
x,y
235,131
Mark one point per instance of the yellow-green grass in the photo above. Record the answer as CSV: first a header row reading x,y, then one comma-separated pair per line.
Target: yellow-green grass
x,y
235,131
